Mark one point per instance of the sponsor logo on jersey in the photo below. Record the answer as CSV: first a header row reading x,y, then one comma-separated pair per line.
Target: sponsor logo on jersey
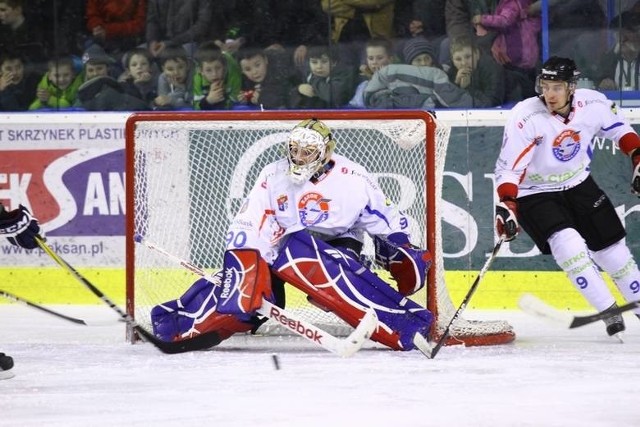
x,y
566,145
313,208
283,203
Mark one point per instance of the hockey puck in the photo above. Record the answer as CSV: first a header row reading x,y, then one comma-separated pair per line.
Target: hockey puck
x,y
276,361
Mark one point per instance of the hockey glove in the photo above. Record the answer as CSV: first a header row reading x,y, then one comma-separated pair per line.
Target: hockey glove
x,y
407,263
635,178
507,218
19,227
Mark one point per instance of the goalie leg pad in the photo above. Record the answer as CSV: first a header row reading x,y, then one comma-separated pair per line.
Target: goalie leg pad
x,y
246,279
195,313
338,282
407,264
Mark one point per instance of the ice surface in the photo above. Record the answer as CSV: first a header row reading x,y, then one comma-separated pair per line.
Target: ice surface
x,y
70,375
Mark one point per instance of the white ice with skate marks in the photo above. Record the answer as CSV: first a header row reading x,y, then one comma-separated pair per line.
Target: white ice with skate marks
x,y
69,375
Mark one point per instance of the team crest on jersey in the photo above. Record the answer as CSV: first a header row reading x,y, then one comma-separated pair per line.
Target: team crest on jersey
x,y
283,203
566,145
313,208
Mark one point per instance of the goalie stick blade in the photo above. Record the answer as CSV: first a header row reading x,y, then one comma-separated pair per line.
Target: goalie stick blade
x,y
200,342
360,335
535,306
345,347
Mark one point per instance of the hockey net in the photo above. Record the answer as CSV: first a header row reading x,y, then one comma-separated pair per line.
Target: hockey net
x,y
188,173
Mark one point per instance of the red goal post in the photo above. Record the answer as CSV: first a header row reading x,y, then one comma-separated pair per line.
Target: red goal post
x,y
187,173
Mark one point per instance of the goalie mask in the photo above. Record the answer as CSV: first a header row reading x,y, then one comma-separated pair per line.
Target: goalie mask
x,y
559,69
308,148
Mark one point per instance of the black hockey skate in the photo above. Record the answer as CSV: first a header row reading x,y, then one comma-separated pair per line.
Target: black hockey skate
x,y
615,323
6,363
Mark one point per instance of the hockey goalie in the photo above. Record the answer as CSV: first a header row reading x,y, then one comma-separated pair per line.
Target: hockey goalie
x,y
303,223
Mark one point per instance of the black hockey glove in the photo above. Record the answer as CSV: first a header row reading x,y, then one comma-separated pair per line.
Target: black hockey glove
x,y
19,227
507,218
635,178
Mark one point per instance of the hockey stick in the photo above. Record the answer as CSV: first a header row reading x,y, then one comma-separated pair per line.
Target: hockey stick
x,y
342,347
533,305
15,298
201,342
432,351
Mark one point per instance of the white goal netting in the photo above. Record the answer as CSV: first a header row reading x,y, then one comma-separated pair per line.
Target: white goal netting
x,y
190,173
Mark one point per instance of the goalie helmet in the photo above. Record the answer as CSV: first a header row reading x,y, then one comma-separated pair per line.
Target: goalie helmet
x,y
558,69
309,148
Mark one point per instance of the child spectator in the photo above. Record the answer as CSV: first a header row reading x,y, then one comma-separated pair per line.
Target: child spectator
x,y
328,85
175,83
418,85
59,86
379,53
476,72
100,91
118,26
96,62
17,86
217,81
266,82
140,78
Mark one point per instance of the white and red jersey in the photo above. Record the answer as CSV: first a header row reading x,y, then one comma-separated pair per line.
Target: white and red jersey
x,y
542,151
343,202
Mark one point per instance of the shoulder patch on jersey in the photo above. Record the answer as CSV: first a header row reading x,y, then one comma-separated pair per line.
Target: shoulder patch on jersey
x,y
283,202
614,108
566,145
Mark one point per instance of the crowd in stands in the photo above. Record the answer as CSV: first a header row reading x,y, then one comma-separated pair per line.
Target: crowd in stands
x,y
102,55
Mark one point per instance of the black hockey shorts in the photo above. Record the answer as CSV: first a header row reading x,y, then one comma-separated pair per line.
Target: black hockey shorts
x,y
584,207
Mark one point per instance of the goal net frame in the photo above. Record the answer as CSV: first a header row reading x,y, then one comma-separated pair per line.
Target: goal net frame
x,y
434,136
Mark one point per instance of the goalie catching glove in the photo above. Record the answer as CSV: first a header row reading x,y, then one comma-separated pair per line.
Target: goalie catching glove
x,y
19,227
407,263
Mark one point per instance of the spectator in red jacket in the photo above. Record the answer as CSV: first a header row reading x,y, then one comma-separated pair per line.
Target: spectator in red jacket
x,y
117,26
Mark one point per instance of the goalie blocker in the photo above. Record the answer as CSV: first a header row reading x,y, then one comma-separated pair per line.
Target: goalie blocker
x,y
330,277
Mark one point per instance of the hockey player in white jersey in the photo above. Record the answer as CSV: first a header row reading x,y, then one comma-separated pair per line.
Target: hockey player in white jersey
x,y
544,184
305,220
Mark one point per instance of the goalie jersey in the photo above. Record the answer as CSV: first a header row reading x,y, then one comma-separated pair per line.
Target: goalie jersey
x,y
341,201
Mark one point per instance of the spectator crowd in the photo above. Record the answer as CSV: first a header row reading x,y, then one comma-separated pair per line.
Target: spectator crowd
x,y
102,55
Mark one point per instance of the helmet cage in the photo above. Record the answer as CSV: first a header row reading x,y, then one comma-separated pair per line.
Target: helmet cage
x,y
308,148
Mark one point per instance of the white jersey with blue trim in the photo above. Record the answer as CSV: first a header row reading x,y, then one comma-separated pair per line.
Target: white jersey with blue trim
x,y
542,151
343,202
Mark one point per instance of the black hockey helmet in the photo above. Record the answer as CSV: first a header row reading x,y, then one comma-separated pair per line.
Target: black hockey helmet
x,y
556,68
559,69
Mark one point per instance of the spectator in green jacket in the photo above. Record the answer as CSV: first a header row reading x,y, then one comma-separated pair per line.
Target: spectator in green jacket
x,y
217,81
59,86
